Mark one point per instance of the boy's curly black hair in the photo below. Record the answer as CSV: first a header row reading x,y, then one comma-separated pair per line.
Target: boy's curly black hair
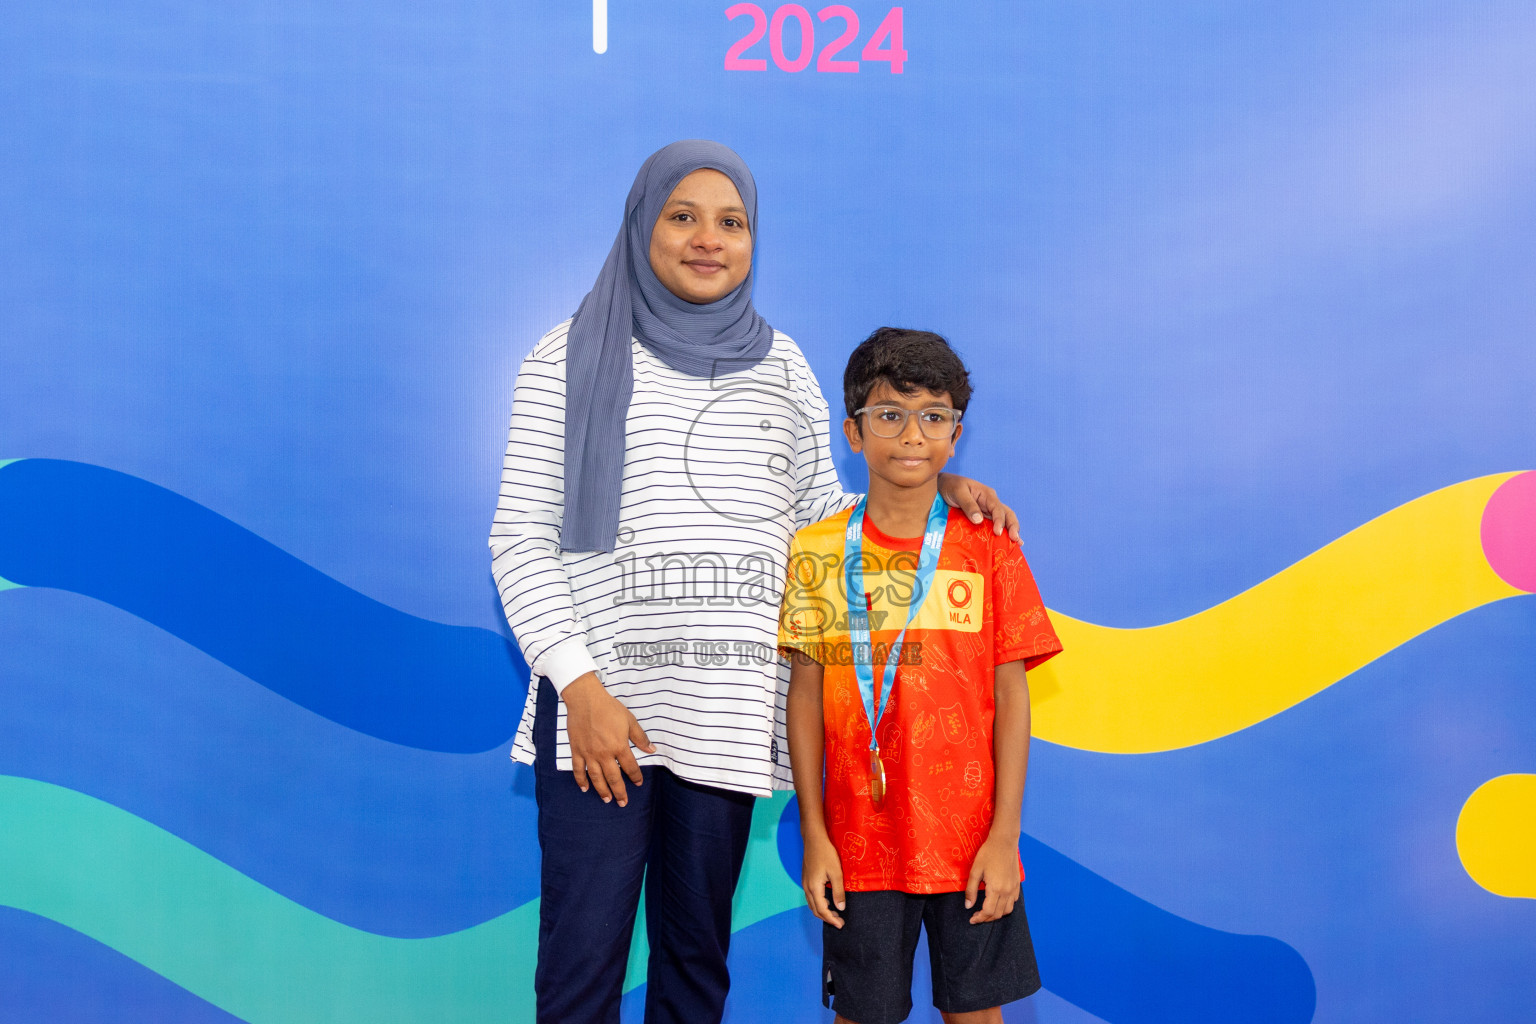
x,y
906,360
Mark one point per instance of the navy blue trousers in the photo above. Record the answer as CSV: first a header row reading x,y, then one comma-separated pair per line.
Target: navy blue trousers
x,y
684,840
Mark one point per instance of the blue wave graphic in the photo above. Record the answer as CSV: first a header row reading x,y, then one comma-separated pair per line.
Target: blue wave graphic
x,y
1129,961
256,608
261,612
791,990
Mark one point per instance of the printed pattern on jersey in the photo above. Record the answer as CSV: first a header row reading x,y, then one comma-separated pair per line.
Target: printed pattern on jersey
x,y
936,735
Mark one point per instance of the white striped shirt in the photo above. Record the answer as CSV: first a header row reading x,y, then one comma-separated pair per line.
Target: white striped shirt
x,y
680,621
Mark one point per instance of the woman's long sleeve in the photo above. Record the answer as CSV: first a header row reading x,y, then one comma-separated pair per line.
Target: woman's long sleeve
x,y
525,535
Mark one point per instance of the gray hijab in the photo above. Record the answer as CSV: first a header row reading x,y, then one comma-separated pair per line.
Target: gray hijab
x,y
628,300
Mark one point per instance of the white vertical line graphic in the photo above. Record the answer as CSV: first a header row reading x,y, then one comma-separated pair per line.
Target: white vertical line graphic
x,y
599,26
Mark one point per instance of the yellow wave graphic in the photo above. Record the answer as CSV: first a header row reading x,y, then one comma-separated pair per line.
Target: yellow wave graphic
x,y
1136,691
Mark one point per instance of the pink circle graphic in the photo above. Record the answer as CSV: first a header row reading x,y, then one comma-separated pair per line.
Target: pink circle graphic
x,y
1509,532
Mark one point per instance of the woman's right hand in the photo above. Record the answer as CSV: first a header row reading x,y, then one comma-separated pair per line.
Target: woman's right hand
x,y
601,730
823,868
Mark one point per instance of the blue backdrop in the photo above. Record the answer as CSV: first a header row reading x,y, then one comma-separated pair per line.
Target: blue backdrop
x,y
1233,279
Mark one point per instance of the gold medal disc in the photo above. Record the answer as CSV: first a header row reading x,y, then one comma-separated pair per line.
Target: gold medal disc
x,y
876,778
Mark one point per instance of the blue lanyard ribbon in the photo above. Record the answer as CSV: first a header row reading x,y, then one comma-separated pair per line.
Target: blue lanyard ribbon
x,y
858,606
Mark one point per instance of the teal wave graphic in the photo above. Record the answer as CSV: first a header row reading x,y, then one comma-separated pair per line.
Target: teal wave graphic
x,y
189,917
192,919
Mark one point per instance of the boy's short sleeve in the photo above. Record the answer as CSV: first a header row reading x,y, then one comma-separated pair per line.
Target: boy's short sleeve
x,y
1023,628
803,624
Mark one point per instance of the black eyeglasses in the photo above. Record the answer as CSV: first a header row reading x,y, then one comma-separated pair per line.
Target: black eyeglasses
x,y
937,422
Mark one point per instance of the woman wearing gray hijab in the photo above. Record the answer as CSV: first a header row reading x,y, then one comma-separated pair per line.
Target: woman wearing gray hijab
x,y
665,444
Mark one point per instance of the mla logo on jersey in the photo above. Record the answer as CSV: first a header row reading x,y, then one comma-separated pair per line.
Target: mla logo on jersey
x,y
959,611
958,595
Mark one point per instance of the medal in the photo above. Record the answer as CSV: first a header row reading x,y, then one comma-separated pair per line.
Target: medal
x,y
876,778
858,624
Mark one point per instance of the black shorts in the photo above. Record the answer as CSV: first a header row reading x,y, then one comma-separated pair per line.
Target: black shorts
x,y
866,971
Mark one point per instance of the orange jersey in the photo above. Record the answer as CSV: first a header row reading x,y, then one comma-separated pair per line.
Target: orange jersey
x,y
982,610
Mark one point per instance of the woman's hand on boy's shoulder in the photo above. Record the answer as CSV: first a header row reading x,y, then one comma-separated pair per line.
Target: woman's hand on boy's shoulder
x,y
997,867
823,869
977,501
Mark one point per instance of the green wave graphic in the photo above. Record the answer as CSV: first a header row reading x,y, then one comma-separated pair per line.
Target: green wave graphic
x,y
196,921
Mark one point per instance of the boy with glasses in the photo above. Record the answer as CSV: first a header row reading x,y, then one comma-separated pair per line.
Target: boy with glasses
x,y
909,631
